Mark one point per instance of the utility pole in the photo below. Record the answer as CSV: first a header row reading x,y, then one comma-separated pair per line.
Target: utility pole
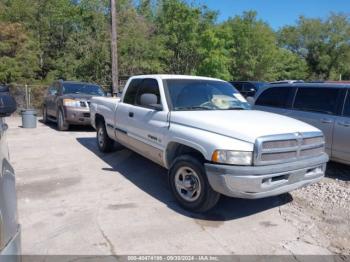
x,y
115,77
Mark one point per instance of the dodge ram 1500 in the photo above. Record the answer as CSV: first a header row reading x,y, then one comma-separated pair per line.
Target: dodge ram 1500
x,y
205,133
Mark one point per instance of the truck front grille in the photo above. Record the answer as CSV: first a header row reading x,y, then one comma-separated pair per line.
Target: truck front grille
x,y
288,147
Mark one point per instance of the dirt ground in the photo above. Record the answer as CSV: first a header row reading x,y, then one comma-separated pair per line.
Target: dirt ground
x,y
74,200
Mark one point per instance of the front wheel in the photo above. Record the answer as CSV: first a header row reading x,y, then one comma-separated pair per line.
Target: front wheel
x,y
190,186
104,143
62,125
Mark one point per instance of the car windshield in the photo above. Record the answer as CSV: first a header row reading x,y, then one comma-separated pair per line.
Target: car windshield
x,y
193,94
87,89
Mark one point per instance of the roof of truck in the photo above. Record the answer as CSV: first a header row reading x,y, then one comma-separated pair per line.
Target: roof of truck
x,y
165,76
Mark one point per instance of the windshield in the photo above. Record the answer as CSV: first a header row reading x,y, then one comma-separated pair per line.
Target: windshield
x,y
193,94
87,89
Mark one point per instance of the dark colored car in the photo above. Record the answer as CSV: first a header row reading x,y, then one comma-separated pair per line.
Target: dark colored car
x,y
248,88
68,103
10,231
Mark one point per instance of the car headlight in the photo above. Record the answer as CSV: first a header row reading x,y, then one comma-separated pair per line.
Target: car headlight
x,y
232,157
71,102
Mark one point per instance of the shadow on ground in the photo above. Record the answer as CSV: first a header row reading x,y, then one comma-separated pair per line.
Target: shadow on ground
x,y
338,171
152,179
72,128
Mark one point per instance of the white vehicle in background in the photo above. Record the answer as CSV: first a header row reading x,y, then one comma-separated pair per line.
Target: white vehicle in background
x,y
203,131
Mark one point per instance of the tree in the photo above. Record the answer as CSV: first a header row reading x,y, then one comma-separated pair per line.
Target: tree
x,y
214,57
180,26
252,48
18,54
324,44
140,49
290,65
87,52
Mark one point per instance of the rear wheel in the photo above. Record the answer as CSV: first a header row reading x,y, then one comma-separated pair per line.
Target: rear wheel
x,y
104,143
190,186
62,125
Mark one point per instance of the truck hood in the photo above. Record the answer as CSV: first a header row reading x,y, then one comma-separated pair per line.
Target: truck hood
x,y
246,125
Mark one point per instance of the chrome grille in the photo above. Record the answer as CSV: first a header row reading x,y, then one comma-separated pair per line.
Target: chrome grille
x,y
288,147
279,144
274,156
312,151
312,140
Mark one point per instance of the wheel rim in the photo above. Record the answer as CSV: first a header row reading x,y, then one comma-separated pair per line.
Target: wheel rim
x,y
100,137
187,184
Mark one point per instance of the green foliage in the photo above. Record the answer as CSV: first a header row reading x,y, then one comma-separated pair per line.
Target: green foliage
x,y
253,49
180,27
18,54
324,44
140,49
42,40
289,65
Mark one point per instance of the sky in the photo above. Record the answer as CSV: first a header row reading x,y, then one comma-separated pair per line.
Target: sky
x,y
277,12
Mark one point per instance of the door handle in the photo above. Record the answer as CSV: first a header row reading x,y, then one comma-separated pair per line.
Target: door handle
x,y
131,114
346,124
326,120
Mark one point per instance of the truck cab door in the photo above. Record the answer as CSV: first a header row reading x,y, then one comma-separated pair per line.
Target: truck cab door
x,y
144,124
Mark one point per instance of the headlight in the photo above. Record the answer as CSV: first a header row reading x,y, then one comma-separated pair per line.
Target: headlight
x,y
232,157
71,102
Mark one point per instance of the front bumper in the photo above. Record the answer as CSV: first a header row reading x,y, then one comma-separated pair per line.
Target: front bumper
x,y
77,115
12,250
264,181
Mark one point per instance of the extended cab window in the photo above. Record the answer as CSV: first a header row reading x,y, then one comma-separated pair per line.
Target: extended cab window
x,y
131,92
347,106
148,86
321,100
274,97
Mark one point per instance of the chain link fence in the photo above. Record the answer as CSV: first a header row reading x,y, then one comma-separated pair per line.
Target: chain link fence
x,y
28,96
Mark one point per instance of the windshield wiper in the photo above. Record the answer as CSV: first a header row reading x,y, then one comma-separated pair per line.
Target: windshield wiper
x,y
192,108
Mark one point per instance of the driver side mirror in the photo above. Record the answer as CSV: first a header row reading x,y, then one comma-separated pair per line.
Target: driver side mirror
x,y
151,101
7,105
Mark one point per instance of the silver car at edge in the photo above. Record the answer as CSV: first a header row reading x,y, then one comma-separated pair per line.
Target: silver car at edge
x,y
10,233
323,105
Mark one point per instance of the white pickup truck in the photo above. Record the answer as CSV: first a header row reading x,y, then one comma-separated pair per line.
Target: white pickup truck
x,y
204,132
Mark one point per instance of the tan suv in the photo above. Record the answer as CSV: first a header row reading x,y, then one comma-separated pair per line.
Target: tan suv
x,y
68,103
325,106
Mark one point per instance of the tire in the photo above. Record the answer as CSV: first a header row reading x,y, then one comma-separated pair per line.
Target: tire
x,y
189,185
104,143
45,119
62,125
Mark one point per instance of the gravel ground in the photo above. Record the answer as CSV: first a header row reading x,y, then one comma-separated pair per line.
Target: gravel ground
x,y
321,212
